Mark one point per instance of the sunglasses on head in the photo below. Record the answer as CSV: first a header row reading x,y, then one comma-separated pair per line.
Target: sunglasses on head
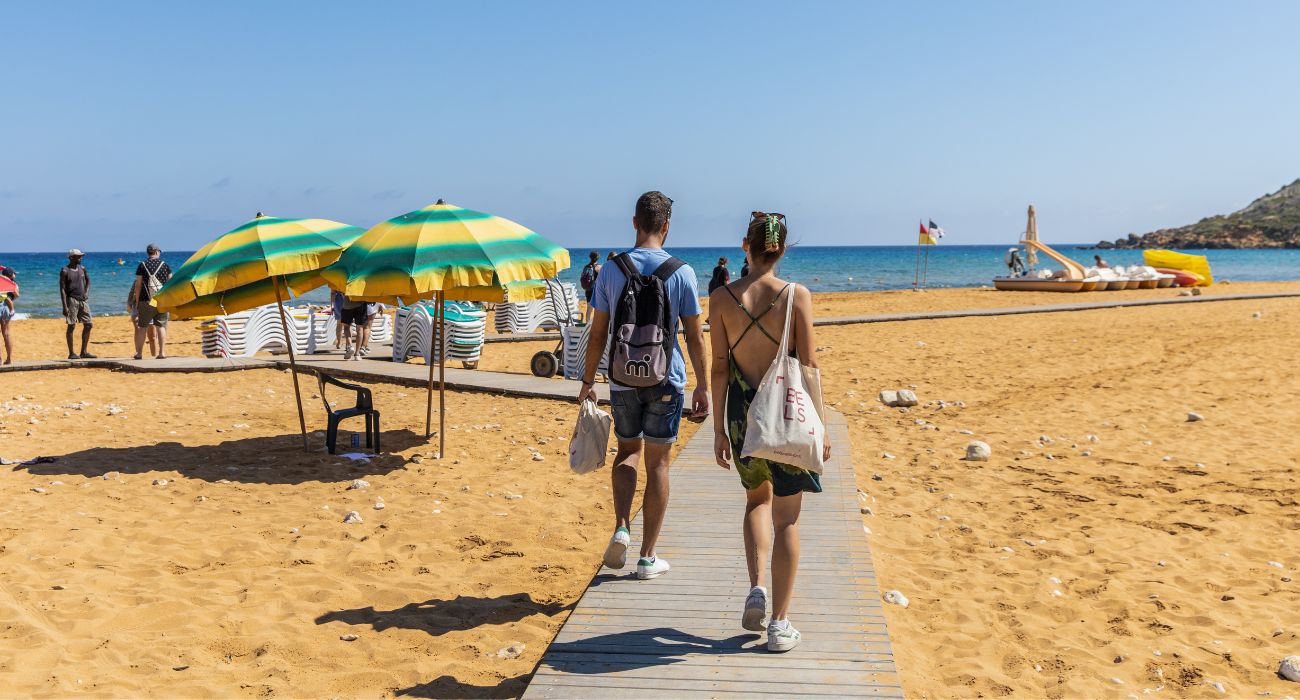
x,y
765,215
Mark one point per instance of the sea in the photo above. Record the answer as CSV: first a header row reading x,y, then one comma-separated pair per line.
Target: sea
x,y
820,268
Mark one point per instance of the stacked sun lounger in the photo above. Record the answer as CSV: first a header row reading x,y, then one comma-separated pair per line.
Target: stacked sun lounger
x,y
323,325
558,308
466,326
249,332
575,352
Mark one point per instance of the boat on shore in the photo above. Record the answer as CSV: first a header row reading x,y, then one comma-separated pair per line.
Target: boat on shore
x,y
1026,278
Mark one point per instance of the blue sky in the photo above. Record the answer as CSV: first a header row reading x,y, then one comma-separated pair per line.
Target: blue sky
x,y
127,122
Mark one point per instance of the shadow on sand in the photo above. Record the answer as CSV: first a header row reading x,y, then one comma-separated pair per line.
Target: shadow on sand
x,y
438,617
259,460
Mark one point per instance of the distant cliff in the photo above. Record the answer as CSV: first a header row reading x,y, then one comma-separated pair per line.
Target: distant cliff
x,y
1272,221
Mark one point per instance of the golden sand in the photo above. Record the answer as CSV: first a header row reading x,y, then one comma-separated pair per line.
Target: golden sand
x,y
110,584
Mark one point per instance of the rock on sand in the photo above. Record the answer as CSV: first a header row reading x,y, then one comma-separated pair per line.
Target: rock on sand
x,y
978,451
899,398
1290,668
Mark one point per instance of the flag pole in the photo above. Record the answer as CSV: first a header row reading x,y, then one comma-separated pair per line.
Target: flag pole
x,y
916,276
925,271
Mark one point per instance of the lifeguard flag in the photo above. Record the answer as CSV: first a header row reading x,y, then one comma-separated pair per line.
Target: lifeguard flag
x,y
935,231
925,238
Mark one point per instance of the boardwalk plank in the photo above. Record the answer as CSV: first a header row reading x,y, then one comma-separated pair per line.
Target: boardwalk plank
x,y
679,635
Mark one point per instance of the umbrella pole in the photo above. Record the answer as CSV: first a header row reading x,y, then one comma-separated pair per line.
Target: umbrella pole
x,y
293,362
428,408
442,377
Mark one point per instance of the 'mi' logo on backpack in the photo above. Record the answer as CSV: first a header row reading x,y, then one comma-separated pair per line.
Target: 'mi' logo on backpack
x,y
638,368
641,350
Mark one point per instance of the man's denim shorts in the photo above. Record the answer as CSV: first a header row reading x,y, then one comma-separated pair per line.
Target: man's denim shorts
x,y
652,414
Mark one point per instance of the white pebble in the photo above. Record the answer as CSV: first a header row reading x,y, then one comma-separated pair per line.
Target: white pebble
x,y
1277,564
379,505
978,451
896,598
1008,550
39,490
352,518
1093,438
1117,681
537,457
513,651
1290,668
1194,417
159,482
293,530
358,484
348,637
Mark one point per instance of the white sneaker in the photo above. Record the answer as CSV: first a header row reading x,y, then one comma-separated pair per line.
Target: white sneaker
x,y
755,617
782,636
616,552
651,567
347,353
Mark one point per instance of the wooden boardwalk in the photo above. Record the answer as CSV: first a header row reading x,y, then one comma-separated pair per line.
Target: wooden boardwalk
x,y
680,636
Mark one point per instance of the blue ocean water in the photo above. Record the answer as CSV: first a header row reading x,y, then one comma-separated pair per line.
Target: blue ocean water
x,y
820,268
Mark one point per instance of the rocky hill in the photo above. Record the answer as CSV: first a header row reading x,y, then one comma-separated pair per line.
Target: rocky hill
x,y
1272,221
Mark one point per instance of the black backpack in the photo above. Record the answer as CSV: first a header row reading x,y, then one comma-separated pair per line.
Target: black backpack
x,y
640,352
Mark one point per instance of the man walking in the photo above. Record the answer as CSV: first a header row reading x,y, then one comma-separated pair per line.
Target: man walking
x,y
74,291
150,275
644,293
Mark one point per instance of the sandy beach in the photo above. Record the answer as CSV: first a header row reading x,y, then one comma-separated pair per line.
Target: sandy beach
x,y
1130,545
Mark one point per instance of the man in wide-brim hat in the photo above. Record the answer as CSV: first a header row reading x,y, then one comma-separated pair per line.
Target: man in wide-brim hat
x,y
74,291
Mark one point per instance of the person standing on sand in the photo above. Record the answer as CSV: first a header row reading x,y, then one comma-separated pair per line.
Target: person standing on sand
x,y
150,275
646,418
7,314
74,291
721,276
744,345
587,280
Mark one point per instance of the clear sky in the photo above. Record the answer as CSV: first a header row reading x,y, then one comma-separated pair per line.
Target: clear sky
x,y
129,122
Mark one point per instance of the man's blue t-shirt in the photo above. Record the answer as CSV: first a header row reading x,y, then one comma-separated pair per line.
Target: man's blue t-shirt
x,y
683,299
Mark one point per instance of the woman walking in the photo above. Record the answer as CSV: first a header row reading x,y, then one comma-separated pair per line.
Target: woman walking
x,y
745,340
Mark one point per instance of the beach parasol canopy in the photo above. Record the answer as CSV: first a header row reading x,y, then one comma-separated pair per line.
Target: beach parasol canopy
x,y
248,296
445,252
7,285
1031,234
265,247
440,248
226,273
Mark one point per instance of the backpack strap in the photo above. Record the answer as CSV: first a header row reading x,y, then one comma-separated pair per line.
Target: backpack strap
x,y
625,264
666,270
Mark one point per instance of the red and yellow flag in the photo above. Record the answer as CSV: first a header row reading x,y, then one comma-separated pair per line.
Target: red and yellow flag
x,y
926,238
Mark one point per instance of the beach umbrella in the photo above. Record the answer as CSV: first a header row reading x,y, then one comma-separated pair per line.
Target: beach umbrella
x,y
444,252
248,296
7,285
283,253
1031,234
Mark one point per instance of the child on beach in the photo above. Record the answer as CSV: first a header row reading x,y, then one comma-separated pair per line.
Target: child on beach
x,y
745,338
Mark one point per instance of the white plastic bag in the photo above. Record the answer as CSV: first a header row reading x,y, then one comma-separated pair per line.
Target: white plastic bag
x,y
590,438
784,422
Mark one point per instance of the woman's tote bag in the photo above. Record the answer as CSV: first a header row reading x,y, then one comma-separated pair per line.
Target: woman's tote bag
x,y
784,422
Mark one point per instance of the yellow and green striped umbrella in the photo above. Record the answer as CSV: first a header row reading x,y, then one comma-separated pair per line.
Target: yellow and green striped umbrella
x,y
442,248
248,296
262,248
